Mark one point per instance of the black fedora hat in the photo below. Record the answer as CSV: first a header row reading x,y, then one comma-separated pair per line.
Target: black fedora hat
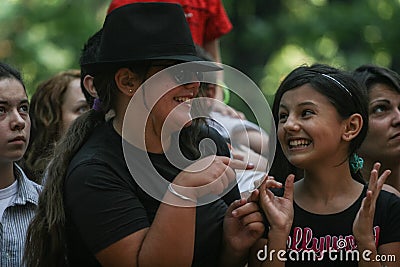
x,y
146,31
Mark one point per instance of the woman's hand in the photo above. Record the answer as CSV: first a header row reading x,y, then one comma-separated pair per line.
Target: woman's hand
x,y
279,210
363,223
210,175
243,223
243,226
247,154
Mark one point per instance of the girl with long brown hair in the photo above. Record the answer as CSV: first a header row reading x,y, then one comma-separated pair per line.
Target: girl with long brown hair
x,y
56,103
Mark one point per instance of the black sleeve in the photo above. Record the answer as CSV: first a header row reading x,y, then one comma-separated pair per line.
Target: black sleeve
x,y
103,206
389,211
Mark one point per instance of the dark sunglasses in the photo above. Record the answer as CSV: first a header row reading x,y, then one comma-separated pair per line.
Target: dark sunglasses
x,y
182,76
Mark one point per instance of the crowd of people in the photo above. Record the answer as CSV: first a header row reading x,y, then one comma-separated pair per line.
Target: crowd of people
x,y
109,166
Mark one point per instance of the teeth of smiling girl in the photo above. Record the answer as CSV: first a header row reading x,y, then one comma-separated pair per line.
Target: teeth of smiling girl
x,y
302,142
181,99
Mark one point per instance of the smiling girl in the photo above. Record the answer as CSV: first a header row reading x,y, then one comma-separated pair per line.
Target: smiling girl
x,y
328,215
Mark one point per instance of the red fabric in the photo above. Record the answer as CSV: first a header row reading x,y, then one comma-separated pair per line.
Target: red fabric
x,y
207,18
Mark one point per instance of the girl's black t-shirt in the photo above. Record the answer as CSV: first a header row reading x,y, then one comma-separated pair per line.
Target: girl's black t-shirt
x,y
104,203
327,240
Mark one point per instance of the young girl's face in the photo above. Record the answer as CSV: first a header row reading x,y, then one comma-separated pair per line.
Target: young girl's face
x,y
310,129
383,138
173,108
15,124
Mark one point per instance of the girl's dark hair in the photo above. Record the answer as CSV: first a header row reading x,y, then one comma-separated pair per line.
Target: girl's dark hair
x,y
9,72
46,116
46,240
341,90
89,54
369,75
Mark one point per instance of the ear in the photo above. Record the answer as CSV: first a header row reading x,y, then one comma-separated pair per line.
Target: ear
x,y
89,86
127,81
352,127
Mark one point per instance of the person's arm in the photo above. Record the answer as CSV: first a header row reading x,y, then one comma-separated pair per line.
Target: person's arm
x,y
391,250
113,221
213,48
152,246
243,226
247,154
173,224
279,212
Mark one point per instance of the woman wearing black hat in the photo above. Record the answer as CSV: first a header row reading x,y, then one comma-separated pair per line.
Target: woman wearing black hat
x,y
113,197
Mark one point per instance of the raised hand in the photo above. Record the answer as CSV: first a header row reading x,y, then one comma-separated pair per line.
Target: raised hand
x,y
363,223
247,154
279,210
243,226
210,175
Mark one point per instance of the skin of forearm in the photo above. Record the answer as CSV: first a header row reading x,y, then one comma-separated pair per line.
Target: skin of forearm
x,y
276,242
361,247
213,48
231,258
170,239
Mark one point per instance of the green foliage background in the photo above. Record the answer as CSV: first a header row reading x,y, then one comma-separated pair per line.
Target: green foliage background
x,y
43,37
270,37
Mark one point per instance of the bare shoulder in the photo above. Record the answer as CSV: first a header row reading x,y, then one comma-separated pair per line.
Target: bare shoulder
x,y
391,189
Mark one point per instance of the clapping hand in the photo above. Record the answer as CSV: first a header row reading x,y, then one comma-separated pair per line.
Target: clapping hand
x,y
363,223
279,210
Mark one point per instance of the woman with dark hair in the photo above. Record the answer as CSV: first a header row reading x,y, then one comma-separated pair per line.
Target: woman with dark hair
x,y
382,143
56,103
329,216
18,195
95,209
